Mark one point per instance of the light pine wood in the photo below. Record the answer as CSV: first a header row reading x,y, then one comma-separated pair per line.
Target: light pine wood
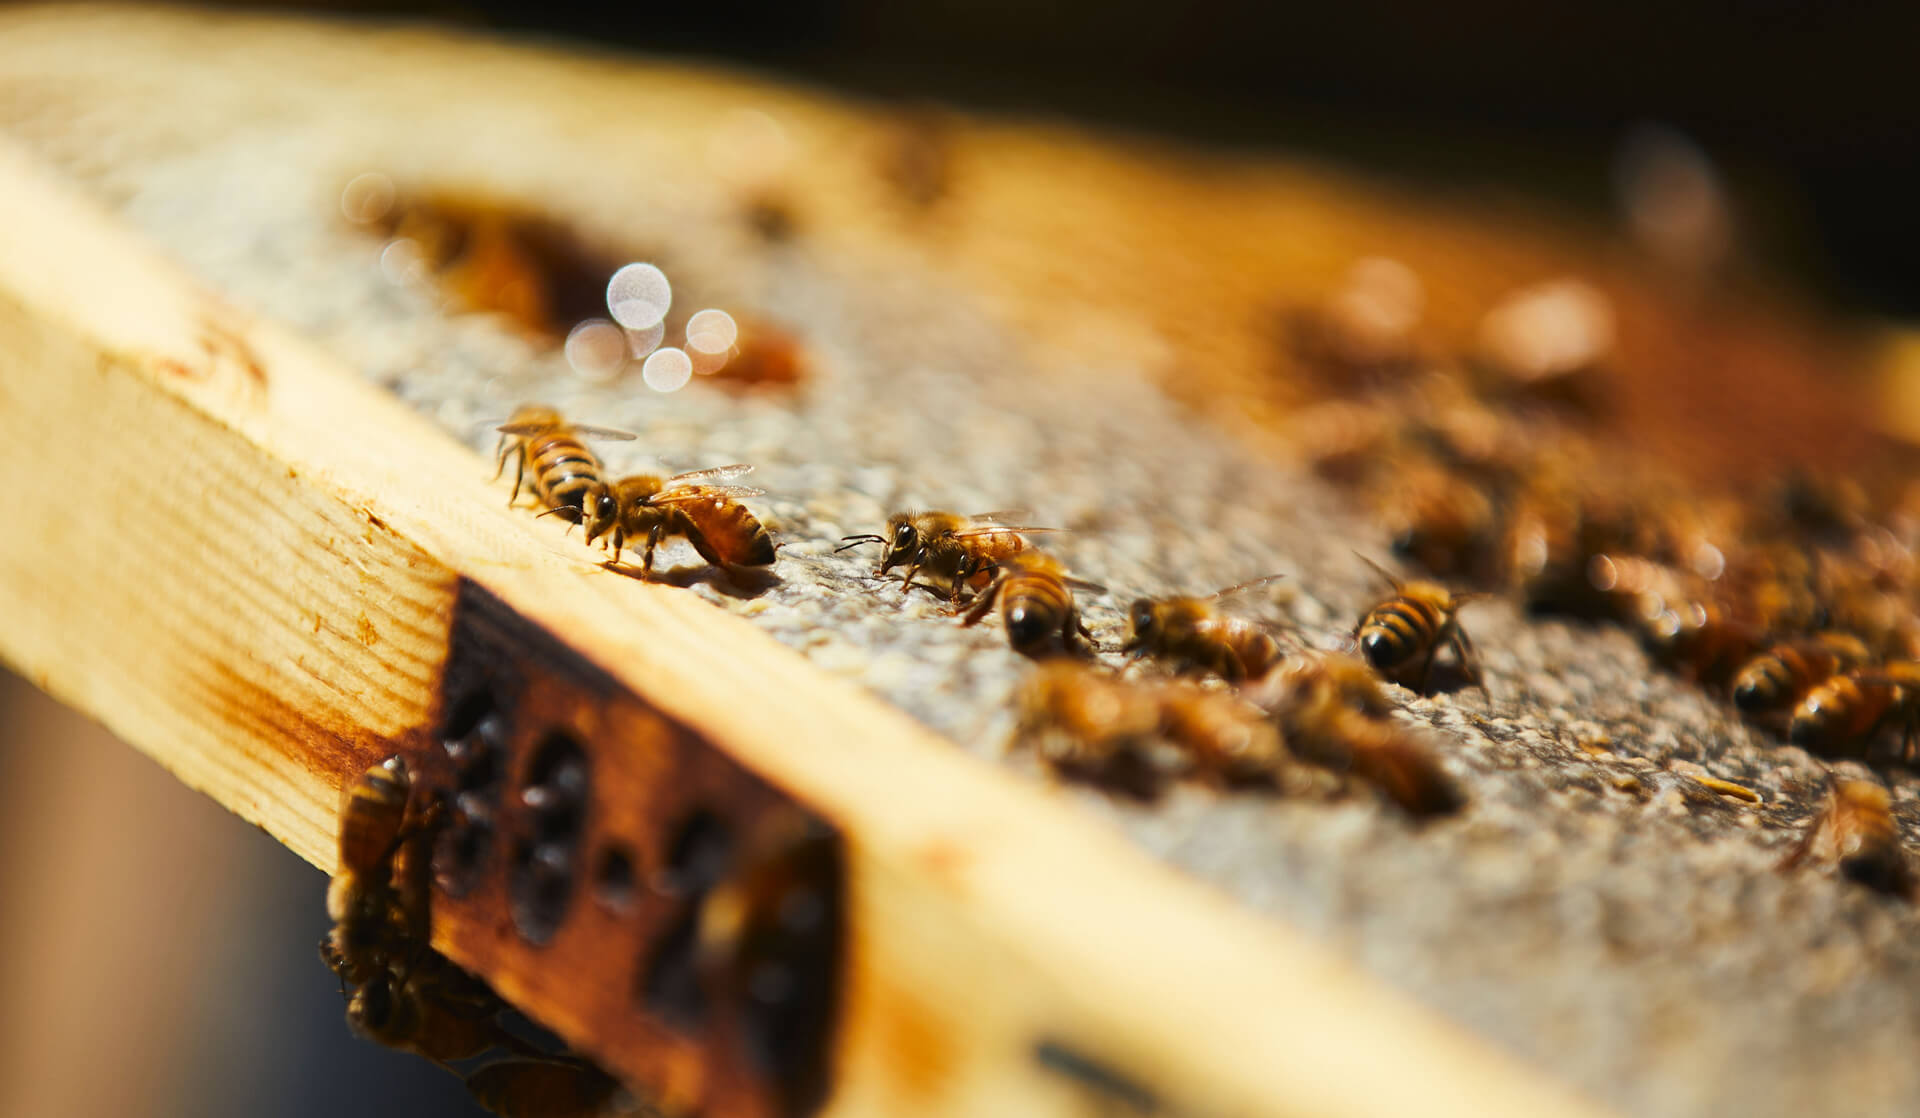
x,y
240,558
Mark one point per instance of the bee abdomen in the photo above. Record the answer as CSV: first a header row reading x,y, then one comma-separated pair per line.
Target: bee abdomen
x,y
1395,632
563,471
1767,682
1838,713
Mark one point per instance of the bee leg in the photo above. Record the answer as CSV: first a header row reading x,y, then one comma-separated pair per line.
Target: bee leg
x,y
1469,660
1426,667
981,606
653,541
519,454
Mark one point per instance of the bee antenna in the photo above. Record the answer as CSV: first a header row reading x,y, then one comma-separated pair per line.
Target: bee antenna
x,y
855,541
1379,570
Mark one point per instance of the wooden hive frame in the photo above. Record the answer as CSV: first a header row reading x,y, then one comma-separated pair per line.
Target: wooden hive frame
x,y
268,576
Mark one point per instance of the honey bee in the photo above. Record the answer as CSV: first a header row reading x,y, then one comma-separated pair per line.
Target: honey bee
x,y
548,453
1087,723
962,552
767,942
1780,677
1225,738
1440,520
1856,832
1554,534
378,899
433,1009
1844,713
1191,635
1402,635
1332,712
529,1087
709,517
1703,641
1035,597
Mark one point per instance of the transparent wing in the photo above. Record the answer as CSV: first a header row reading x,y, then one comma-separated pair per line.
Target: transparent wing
x,y
581,429
1242,588
1004,517
704,493
697,477
1002,529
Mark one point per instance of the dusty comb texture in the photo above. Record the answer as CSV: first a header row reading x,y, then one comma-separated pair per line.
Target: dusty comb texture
x,y
1053,330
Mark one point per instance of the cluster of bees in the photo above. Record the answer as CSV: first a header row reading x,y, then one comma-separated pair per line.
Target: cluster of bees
x,y
1796,602
403,994
1324,708
1258,715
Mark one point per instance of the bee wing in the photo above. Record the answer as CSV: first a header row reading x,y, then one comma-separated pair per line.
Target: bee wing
x,y
704,493
1000,529
696,477
1083,584
1243,587
1002,517
581,429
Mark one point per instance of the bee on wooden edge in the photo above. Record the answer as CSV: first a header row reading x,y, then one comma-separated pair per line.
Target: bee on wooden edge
x,y
550,456
408,997
710,517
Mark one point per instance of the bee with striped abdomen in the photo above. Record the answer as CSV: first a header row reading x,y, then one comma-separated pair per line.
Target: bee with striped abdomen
x,y
1777,679
1035,597
1403,634
961,552
708,516
1843,714
1193,635
551,457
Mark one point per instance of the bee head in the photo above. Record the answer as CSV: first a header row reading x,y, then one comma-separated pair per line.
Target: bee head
x,y
903,539
1143,617
600,510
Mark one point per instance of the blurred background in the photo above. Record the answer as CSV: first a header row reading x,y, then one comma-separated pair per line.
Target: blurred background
x,y
159,954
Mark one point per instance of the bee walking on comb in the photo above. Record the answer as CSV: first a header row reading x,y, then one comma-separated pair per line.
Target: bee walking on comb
x,y
1035,596
1402,635
961,554
1194,636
